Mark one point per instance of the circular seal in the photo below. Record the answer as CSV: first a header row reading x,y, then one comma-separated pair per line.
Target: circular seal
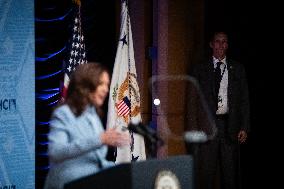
x,y
166,179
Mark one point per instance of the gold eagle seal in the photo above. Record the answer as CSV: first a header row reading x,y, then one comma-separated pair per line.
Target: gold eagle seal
x,y
128,89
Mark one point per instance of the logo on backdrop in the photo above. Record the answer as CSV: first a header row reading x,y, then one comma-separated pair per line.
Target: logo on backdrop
x,y
8,105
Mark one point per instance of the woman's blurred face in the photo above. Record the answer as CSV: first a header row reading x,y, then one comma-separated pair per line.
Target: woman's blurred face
x,y
98,96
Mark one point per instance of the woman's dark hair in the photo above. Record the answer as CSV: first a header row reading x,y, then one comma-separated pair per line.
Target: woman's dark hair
x,y
84,80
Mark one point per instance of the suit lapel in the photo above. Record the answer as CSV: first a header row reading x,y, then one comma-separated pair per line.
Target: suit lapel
x,y
211,78
230,81
211,84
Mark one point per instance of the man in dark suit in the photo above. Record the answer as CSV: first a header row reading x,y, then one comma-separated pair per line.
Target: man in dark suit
x,y
223,83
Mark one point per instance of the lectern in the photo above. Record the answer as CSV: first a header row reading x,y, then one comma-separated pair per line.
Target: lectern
x,y
175,172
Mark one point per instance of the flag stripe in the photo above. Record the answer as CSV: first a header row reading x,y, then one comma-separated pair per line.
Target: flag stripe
x,y
124,112
123,109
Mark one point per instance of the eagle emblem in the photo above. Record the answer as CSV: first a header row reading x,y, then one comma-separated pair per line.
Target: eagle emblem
x,y
127,98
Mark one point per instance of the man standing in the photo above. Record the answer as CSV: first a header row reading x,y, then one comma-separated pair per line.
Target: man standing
x,y
223,83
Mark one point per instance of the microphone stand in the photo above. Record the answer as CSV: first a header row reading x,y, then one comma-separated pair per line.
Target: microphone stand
x,y
150,136
193,141
154,144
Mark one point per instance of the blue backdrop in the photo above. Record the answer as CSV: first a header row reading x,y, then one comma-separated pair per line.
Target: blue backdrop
x,y
17,94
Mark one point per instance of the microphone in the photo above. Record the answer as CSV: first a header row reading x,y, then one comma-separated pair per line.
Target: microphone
x,y
195,136
147,132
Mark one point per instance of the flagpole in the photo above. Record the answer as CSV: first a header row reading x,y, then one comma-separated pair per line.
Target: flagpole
x,y
129,79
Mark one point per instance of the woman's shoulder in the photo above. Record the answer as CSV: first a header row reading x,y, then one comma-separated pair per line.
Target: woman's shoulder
x,y
62,111
62,108
62,116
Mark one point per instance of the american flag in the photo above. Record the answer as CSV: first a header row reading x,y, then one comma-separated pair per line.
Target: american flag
x,y
76,53
123,107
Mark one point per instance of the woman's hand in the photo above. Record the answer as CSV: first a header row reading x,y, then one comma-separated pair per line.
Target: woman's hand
x,y
112,137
